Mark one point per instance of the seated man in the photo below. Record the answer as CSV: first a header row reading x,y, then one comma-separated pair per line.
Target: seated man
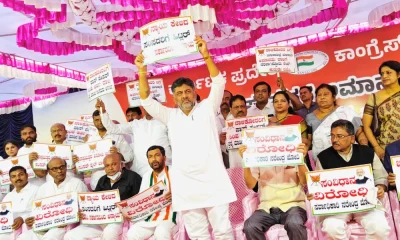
x,y
61,183
392,149
286,208
21,199
117,177
160,224
344,153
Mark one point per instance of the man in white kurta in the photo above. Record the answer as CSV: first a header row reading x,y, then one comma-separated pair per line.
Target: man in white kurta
x,y
163,223
21,198
202,188
119,145
28,137
145,132
61,184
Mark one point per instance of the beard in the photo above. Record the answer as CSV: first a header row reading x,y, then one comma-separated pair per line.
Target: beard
x,y
360,177
186,106
29,140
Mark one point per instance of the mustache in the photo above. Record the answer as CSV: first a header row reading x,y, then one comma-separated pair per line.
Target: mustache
x,y
18,181
240,112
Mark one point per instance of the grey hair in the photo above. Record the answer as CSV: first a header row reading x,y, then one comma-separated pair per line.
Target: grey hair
x,y
347,125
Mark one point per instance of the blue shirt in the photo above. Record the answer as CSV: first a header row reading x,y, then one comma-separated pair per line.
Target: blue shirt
x,y
392,149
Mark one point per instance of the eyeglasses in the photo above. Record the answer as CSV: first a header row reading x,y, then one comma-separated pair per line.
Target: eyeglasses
x,y
339,136
55,169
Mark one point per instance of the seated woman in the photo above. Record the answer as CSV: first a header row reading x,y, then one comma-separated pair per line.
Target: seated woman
x,y
328,111
386,103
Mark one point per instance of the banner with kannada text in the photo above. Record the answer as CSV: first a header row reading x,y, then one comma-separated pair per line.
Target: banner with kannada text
x,y
341,190
47,151
7,164
6,217
55,211
91,155
336,61
99,207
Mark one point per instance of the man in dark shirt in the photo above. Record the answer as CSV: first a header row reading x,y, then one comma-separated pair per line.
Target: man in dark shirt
x,y
126,181
117,177
306,97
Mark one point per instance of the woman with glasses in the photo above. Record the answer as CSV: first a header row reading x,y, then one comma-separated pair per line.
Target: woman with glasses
x,y
321,119
386,103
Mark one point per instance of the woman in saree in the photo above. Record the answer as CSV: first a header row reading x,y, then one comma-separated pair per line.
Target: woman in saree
x,y
387,104
321,119
284,115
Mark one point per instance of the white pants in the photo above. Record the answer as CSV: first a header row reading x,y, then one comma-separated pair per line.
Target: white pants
x,y
52,234
197,221
162,230
110,231
374,222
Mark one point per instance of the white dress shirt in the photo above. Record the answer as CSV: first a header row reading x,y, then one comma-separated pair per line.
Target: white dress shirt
x,y
34,181
268,110
145,133
22,201
70,184
198,175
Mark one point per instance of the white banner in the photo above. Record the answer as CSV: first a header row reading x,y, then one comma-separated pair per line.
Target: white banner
x,y
7,164
234,129
167,38
47,151
272,146
276,59
87,118
91,155
77,130
156,91
99,207
100,82
6,217
55,211
396,170
340,190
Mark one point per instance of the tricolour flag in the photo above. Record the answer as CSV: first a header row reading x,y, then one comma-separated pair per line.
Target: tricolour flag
x,y
306,60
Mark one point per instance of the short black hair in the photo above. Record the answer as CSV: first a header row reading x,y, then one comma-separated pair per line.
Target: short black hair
x,y
182,81
347,125
260,84
15,143
331,89
307,87
96,114
28,126
162,150
134,109
15,168
228,92
236,97
394,65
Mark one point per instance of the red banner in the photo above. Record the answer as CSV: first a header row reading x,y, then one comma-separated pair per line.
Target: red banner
x,y
350,63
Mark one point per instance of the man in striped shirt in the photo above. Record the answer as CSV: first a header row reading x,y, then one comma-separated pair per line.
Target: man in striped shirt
x,y
161,224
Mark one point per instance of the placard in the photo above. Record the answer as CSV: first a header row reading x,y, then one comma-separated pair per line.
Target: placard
x,y
100,82
276,59
272,146
167,38
99,207
4,189
7,164
234,129
91,155
77,130
145,203
396,170
6,217
55,211
87,118
48,151
340,190
156,91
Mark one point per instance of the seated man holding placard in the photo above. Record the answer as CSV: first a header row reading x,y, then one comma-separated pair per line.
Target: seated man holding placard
x,y
117,177
62,183
344,153
282,199
161,224
21,199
